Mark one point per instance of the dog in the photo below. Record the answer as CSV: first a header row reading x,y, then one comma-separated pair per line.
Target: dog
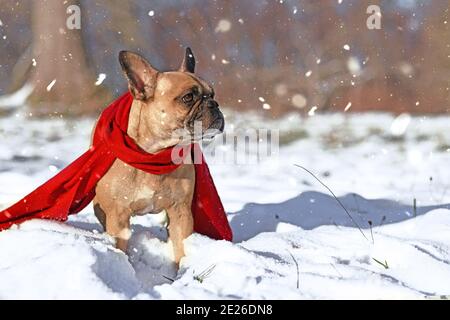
x,y
163,102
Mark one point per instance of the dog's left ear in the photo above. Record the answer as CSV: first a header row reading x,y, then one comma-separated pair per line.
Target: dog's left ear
x,y
188,64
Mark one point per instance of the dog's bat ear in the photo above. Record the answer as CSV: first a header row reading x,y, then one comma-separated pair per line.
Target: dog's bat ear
x,y
140,74
188,64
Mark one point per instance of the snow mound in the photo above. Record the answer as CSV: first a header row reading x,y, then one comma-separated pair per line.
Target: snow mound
x,y
49,260
280,215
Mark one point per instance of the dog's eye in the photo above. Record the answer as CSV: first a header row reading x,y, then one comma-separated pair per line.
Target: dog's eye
x,y
188,98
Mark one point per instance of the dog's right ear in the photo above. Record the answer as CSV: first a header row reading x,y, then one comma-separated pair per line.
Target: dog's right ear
x,y
140,74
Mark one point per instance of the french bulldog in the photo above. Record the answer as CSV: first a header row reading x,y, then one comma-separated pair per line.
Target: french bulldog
x,y
163,103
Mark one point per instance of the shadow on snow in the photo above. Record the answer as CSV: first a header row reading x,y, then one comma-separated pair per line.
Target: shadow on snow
x,y
312,209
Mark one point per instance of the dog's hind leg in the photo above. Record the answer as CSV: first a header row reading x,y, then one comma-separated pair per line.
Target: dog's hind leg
x,y
100,214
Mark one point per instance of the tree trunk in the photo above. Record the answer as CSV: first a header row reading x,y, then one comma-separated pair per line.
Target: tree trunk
x,y
61,58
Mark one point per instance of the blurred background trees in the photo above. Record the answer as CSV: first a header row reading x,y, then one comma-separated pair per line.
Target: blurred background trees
x,y
270,56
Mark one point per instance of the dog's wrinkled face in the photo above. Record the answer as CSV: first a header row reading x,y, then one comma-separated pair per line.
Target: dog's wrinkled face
x,y
175,100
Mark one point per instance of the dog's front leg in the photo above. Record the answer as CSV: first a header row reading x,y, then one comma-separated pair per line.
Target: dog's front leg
x,y
116,223
121,231
181,226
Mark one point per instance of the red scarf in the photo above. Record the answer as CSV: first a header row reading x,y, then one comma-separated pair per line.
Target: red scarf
x,y
73,188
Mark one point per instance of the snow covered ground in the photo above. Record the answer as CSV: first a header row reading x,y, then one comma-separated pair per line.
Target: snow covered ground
x,y
281,217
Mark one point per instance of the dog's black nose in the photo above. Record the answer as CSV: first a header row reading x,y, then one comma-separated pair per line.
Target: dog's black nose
x,y
212,104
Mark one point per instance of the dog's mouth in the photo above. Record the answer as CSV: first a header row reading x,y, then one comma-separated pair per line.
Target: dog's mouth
x,y
216,127
218,124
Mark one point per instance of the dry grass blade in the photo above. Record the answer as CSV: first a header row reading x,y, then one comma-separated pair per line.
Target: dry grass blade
x,y
385,264
336,198
167,278
204,274
298,269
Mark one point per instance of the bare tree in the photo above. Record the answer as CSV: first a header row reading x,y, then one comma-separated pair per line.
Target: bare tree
x,y
62,79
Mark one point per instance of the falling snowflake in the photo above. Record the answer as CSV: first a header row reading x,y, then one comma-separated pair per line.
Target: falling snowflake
x,y
308,73
33,62
100,79
400,124
151,13
299,101
266,106
348,106
312,111
346,47
281,89
354,66
51,84
223,26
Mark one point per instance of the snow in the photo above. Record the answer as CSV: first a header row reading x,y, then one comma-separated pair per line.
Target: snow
x,y
223,26
101,77
347,107
16,99
312,111
279,213
64,262
299,101
51,84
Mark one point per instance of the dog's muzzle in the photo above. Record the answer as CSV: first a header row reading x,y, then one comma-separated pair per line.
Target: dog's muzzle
x,y
218,122
211,117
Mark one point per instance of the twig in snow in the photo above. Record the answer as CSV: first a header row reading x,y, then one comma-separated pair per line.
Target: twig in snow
x,y
415,207
298,269
383,219
336,198
371,231
167,278
335,224
430,191
385,264
205,274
